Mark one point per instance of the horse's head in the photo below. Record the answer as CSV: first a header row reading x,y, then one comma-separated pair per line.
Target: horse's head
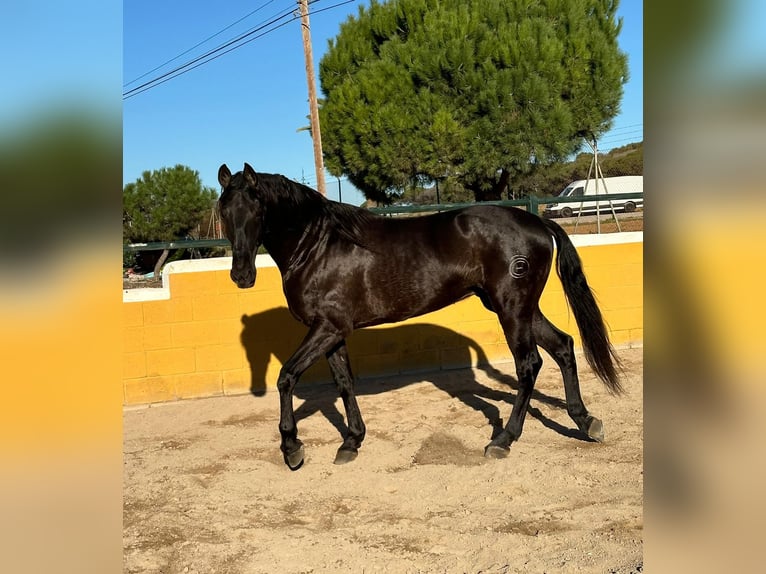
x,y
241,213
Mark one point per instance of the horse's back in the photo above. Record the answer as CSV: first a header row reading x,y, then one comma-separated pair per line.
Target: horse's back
x,y
505,219
488,230
464,223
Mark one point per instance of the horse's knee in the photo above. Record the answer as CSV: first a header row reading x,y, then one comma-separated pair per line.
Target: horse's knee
x,y
286,381
529,366
537,363
345,386
534,361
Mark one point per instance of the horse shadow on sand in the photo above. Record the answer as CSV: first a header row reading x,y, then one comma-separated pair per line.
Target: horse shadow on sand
x,y
276,333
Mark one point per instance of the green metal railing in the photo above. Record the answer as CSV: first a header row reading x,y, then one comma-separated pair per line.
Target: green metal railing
x,y
397,209
178,244
531,204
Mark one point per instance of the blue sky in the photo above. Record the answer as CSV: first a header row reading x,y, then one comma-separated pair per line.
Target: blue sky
x,y
49,61
248,104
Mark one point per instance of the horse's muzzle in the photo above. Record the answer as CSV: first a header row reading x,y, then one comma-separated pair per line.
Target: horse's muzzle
x,y
243,278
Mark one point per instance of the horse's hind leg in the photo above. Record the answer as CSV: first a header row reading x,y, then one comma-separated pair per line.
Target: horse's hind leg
x,y
520,338
341,372
560,346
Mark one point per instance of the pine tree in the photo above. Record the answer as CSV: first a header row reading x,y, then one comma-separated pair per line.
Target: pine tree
x,y
474,93
164,205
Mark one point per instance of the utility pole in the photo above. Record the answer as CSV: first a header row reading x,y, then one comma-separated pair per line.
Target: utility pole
x,y
316,134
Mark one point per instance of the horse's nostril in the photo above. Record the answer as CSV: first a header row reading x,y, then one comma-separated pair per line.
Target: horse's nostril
x,y
243,278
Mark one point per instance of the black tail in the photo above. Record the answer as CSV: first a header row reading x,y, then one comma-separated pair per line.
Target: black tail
x,y
598,349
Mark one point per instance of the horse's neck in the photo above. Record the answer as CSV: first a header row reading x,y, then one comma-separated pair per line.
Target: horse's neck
x,y
287,235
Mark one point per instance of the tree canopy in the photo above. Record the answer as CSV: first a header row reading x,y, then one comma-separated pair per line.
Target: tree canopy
x,y
164,204
471,94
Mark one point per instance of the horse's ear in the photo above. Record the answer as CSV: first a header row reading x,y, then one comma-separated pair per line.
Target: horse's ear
x,y
250,178
224,176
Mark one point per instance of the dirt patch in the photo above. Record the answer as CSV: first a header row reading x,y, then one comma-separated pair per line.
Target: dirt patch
x,y
142,283
205,488
588,225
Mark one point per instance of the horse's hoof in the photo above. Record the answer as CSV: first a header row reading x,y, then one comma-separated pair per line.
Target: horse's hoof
x,y
495,451
596,430
345,456
294,460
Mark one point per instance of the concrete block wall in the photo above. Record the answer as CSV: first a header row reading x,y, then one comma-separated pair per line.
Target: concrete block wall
x,y
199,335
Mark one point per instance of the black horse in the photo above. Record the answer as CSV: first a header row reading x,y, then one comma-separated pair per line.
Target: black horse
x,y
344,268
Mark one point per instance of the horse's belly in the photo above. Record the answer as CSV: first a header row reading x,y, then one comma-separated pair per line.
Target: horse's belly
x,y
394,301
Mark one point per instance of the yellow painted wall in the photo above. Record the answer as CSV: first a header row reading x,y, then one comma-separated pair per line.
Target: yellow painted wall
x,y
210,338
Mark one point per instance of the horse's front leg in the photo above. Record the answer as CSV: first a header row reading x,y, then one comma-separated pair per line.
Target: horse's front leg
x,y
321,338
341,372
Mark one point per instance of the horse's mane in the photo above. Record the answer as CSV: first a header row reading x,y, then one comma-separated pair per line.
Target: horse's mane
x,y
348,221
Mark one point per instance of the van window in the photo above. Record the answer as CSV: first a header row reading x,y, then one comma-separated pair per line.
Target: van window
x,y
579,192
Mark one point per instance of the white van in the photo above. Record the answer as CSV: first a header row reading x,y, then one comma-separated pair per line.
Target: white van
x,y
610,185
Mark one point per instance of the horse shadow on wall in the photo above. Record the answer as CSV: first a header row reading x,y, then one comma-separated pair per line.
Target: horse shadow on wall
x,y
276,333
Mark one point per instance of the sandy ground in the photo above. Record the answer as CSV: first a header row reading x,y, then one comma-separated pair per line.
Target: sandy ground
x,y
205,488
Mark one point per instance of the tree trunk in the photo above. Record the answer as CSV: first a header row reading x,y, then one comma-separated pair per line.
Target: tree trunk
x,y
486,194
495,193
502,183
160,262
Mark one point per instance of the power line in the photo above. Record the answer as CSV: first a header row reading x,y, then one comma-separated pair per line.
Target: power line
x,y
622,137
622,128
225,48
198,44
210,55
